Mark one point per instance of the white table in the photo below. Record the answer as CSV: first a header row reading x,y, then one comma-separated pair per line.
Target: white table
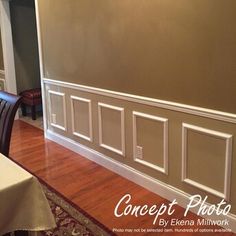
x,y
23,205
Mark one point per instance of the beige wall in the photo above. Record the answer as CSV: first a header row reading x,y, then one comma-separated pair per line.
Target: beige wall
x,y
25,44
182,51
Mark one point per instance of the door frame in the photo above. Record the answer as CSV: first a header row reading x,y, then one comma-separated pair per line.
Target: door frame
x,y
7,47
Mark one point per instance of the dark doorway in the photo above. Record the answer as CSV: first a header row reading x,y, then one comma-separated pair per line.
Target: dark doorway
x,y
25,45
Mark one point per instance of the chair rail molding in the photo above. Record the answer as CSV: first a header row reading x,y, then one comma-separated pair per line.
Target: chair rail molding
x,y
173,106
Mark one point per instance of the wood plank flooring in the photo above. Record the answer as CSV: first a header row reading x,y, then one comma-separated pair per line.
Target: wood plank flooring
x,y
92,187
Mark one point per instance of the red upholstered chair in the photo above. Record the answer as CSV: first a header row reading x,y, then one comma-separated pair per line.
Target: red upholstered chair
x,y
9,104
32,98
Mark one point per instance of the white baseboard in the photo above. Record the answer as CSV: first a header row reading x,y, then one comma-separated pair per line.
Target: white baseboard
x,y
162,189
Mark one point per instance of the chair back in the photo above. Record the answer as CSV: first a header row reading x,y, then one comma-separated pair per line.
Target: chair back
x,y
9,104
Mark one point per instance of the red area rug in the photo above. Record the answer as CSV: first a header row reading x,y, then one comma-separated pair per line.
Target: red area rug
x,y
70,219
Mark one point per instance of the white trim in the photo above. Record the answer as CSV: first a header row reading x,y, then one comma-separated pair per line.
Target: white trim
x,y
41,66
7,47
2,73
228,158
64,109
194,110
163,169
204,187
164,190
76,133
122,124
58,126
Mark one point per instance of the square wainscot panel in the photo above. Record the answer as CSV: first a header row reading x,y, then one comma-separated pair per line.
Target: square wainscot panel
x,y
111,128
81,117
150,141
57,109
206,159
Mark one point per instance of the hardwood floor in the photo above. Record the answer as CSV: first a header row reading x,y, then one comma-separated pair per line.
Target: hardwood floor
x,y
92,187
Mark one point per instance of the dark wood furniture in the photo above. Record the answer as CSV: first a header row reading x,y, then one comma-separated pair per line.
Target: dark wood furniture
x,y
9,104
32,98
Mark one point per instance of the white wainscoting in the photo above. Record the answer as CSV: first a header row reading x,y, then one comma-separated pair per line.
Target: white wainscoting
x,y
163,189
74,99
164,121
52,122
122,128
227,157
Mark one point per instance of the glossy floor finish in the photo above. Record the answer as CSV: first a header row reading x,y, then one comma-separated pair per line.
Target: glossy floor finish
x,y
94,188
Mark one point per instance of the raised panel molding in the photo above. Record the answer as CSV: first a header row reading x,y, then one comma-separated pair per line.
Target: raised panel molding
x,y
228,158
122,125
88,102
164,121
52,123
